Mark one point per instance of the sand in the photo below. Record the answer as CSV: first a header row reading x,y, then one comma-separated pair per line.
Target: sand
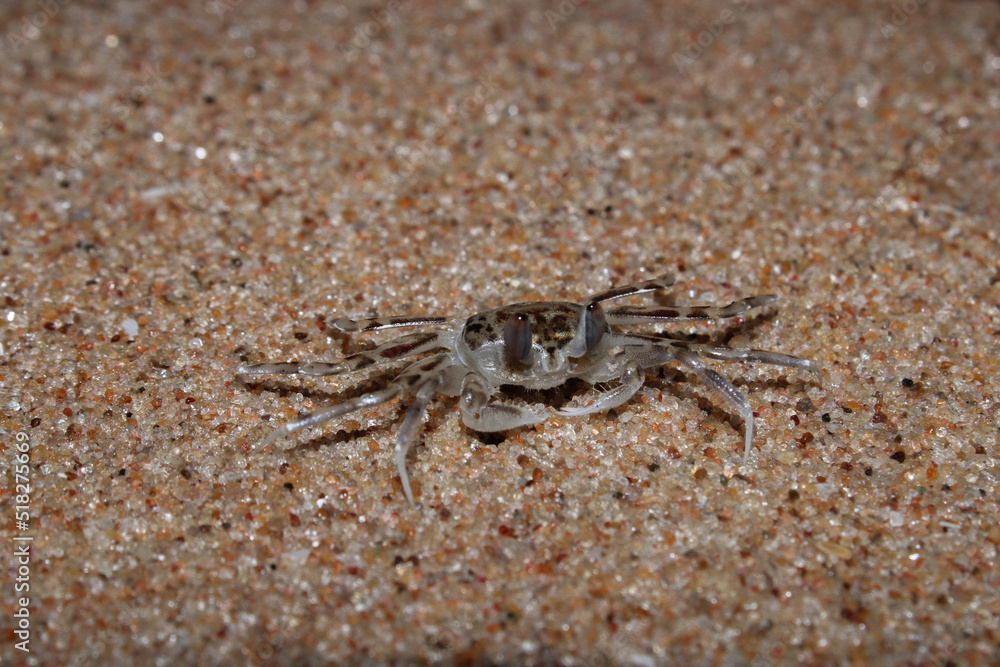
x,y
193,186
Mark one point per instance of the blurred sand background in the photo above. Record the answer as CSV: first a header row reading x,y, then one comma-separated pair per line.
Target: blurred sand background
x,y
190,186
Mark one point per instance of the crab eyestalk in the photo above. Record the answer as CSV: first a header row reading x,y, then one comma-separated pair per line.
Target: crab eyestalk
x,y
590,330
517,339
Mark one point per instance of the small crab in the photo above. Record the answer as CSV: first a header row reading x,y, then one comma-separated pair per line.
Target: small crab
x,y
537,345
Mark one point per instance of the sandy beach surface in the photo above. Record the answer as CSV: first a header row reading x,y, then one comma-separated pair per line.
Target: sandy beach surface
x,y
188,187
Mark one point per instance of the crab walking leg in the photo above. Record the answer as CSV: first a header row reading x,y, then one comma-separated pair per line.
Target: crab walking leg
x,y
479,414
651,314
658,283
631,382
412,375
408,431
395,349
332,411
375,323
753,356
722,386
316,368
651,351
634,342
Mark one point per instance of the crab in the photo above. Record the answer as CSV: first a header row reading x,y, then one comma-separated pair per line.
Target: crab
x,y
536,346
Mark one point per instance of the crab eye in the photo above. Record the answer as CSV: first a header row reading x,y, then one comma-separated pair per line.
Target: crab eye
x,y
517,338
595,325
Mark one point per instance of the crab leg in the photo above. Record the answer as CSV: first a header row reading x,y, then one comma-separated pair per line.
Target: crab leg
x,y
650,351
414,374
658,283
330,412
427,376
408,431
753,356
631,381
723,387
633,341
317,368
395,349
376,323
650,314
